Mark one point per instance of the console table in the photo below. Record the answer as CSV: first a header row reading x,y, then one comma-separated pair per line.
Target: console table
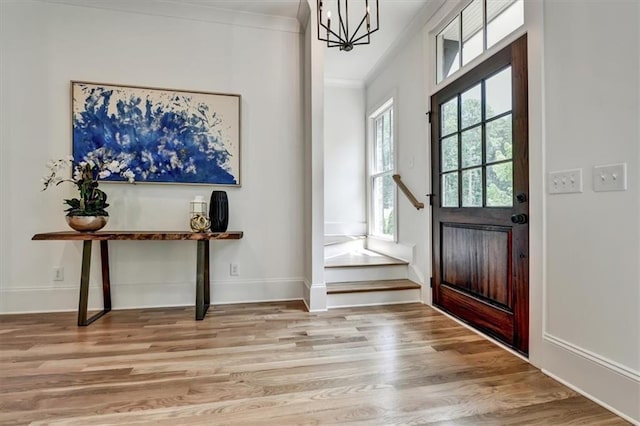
x,y
202,261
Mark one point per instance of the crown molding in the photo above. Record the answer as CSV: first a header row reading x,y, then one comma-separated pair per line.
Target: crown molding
x,y
189,11
344,83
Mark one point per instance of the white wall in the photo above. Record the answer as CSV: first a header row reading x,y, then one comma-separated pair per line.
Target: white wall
x,y
404,80
592,109
44,46
344,161
585,248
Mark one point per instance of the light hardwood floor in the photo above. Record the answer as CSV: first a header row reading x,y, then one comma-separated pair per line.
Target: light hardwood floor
x,y
272,363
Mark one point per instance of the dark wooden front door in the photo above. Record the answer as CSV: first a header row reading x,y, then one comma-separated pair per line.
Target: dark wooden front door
x,y
480,178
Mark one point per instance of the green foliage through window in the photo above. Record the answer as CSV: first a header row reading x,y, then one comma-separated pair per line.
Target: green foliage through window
x,y
476,151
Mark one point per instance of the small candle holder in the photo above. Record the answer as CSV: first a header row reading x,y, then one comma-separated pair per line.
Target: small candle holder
x,y
199,221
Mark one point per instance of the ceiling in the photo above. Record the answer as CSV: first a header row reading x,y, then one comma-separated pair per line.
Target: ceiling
x,y
284,8
354,66
395,17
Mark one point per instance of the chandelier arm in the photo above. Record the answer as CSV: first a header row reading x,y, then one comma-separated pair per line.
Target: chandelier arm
x,y
319,17
341,24
358,29
332,33
363,36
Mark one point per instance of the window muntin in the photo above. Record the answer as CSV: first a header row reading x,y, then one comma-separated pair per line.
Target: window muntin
x,y
476,157
383,191
475,29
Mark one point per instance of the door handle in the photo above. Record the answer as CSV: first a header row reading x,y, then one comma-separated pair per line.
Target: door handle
x,y
520,218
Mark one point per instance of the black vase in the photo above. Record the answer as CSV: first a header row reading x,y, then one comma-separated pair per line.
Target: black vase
x,y
219,211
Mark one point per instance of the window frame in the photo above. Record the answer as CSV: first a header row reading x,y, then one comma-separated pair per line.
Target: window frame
x,y
372,174
486,49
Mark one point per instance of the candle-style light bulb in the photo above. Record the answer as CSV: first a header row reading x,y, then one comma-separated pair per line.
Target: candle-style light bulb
x,y
368,16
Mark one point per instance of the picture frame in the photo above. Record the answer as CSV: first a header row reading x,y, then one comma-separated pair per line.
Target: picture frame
x,y
163,135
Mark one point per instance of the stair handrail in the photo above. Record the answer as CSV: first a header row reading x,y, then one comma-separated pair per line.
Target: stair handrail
x,y
417,204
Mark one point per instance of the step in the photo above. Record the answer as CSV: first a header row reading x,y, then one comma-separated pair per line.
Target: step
x,y
361,258
371,293
364,265
365,273
336,245
367,286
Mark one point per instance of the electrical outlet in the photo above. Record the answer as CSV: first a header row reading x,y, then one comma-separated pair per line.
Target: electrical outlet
x,y
58,274
610,178
233,269
565,181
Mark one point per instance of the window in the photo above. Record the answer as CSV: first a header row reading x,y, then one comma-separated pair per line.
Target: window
x,y
476,144
382,199
479,26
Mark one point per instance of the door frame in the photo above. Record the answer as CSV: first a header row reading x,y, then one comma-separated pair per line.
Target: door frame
x,y
514,53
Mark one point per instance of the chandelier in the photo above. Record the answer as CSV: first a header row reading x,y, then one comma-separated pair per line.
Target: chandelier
x,y
341,36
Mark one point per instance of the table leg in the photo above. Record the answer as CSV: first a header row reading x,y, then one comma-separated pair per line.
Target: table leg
x,y
202,274
207,279
84,283
106,278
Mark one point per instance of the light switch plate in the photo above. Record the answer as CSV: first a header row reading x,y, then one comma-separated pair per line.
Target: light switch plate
x,y
565,182
612,177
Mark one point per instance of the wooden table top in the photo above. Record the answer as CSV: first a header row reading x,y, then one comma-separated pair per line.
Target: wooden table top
x,y
139,235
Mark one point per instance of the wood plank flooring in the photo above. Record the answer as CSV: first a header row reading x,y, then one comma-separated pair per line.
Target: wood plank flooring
x,y
272,364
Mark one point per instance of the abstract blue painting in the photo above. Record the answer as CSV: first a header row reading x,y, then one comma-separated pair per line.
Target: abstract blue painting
x,y
164,136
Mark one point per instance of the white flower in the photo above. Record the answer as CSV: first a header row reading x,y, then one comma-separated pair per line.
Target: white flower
x,y
77,174
114,166
104,174
129,175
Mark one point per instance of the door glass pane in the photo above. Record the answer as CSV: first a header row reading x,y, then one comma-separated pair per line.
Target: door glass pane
x,y
472,31
472,147
471,104
450,153
383,206
500,185
503,16
448,48
472,188
499,139
498,93
449,116
450,190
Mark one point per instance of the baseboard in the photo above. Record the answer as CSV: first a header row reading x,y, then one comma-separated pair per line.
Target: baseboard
x,y
391,248
591,397
149,295
315,296
605,382
592,356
